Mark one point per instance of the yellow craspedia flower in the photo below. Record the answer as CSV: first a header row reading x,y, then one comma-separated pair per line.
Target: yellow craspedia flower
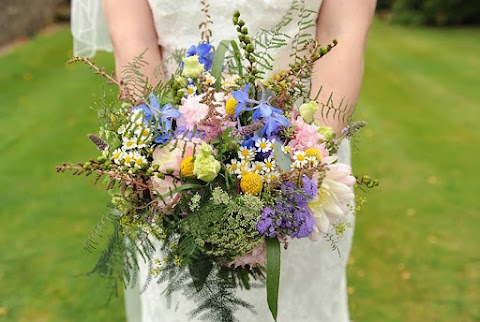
x,y
251,183
231,105
314,152
186,166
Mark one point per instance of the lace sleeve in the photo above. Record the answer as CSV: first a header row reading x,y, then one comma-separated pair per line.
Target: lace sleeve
x,y
89,28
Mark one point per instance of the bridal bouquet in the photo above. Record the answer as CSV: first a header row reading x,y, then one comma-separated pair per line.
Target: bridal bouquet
x,y
223,166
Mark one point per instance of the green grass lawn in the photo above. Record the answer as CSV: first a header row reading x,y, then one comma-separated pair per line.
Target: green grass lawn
x,y
415,256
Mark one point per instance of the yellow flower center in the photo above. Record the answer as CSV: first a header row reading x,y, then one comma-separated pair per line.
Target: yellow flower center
x,y
186,167
300,157
116,155
251,183
145,132
234,166
263,145
190,91
314,152
231,106
268,165
139,161
245,153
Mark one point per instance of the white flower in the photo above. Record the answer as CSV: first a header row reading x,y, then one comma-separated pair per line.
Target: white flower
x,y
269,165
121,129
209,79
334,195
128,158
129,143
286,149
233,167
137,116
117,156
246,153
139,160
191,90
299,159
105,152
243,168
263,145
258,167
271,176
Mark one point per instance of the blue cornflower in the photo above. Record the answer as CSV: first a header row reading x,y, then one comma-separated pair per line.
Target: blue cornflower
x,y
242,98
205,54
272,118
164,115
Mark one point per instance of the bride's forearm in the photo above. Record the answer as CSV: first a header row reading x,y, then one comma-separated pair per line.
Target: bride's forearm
x,y
132,30
340,72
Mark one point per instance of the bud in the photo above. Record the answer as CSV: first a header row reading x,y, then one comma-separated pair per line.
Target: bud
x,y
236,14
160,175
366,180
250,48
307,111
244,30
241,23
376,182
155,167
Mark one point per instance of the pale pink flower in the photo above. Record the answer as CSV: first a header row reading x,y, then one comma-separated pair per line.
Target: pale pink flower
x,y
306,135
257,257
167,157
335,194
192,112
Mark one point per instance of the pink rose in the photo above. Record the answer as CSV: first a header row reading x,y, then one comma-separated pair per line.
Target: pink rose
x,y
306,136
192,112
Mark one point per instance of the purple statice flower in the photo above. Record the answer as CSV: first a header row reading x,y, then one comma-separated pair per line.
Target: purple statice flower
x,y
290,215
310,186
205,54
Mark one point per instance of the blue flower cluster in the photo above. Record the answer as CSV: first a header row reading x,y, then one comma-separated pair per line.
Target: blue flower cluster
x,y
271,117
205,54
163,116
290,216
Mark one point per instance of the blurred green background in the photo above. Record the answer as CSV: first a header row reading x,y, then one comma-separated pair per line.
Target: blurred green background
x,y
415,255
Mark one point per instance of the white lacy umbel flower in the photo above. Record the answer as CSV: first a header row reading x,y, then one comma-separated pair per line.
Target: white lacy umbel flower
x,y
334,194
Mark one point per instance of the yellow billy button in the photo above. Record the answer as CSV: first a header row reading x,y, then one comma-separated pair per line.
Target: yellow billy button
x,y
251,183
314,152
186,166
231,106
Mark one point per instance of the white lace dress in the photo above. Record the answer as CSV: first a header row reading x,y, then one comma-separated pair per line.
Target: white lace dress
x,y
313,281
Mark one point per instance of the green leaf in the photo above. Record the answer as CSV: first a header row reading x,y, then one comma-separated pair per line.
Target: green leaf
x,y
238,57
199,270
283,159
273,274
217,64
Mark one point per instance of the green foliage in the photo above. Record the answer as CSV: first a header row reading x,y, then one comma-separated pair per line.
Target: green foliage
x,y
225,227
433,12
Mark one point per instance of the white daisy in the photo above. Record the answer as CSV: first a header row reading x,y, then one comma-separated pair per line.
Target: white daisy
x,y
209,79
263,145
139,160
272,176
129,143
246,153
299,159
258,167
286,149
128,158
269,165
243,169
191,90
121,129
233,167
105,152
117,156
137,116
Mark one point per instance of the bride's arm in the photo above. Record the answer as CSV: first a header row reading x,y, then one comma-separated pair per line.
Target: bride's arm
x,y
132,30
341,71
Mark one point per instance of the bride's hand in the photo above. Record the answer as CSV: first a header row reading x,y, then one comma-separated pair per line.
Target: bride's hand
x,y
340,72
132,30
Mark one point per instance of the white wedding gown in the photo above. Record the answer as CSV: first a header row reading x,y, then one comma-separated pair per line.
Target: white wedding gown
x,y
313,280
